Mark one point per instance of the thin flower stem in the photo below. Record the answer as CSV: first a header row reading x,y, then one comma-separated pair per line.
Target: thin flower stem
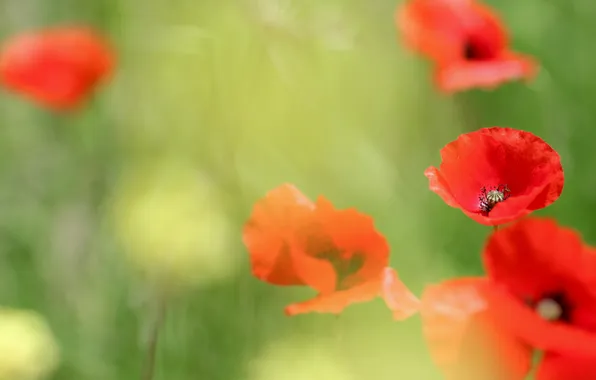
x,y
149,366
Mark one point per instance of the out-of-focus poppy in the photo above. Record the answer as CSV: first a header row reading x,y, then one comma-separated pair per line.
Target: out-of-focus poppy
x,y
466,40
496,175
539,294
294,241
57,67
464,339
553,272
559,367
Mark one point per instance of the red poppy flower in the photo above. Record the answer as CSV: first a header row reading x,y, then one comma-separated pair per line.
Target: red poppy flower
x,y
550,269
558,367
496,175
466,40
57,67
539,294
294,241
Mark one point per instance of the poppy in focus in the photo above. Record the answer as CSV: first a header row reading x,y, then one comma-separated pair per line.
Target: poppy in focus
x,y
538,294
294,241
56,67
466,40
496,175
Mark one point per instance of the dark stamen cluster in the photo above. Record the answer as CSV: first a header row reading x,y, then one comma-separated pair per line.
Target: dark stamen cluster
x,y
490,197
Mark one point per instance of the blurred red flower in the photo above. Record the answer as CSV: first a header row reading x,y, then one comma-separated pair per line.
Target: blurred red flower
x,y
466,41
540,294
496,175
294,241
551,270
558,367
57,67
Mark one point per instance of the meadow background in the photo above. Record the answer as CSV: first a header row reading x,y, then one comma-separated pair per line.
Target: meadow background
x,y
254,93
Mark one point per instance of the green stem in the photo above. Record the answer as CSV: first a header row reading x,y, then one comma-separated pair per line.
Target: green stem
x,y
150,358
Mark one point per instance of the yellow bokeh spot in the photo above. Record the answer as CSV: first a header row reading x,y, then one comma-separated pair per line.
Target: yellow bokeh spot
x,y
296,360
28,350
172,226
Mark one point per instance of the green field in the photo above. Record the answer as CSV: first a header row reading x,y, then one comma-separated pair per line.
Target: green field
x,y
255,93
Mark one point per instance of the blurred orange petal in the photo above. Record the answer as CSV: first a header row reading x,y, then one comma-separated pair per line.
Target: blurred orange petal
x,y
268,235
398,298
463,338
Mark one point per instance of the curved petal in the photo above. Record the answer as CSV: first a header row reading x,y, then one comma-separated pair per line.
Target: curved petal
x,y
268,234
397,297
463,75
439,186
557,367
336,302
317,273
464,340
517,319
536,257
353,234
430,28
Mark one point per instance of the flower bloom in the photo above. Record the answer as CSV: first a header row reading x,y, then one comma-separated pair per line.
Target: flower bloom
x,y
496,175
539,293
56,67
466,41
294,241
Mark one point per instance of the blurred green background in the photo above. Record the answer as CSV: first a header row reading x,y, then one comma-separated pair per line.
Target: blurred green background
x,y
254,93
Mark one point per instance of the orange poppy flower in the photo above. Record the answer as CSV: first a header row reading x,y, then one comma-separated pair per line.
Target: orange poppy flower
x,y
539,294
496,175
466,40
558,367
294,241
57,67
464,339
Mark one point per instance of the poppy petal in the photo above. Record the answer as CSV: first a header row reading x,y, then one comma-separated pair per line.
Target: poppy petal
x,y
557,367
438,185
464,75
268,235
354,234
397,297
463,339
317,273
535,258
517,319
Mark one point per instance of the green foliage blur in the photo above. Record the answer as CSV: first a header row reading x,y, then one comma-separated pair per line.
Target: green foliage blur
x,y
255,93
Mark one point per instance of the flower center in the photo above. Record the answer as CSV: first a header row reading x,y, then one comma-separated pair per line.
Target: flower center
x,y
549,309
475,49
344,267
553,307
490,197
